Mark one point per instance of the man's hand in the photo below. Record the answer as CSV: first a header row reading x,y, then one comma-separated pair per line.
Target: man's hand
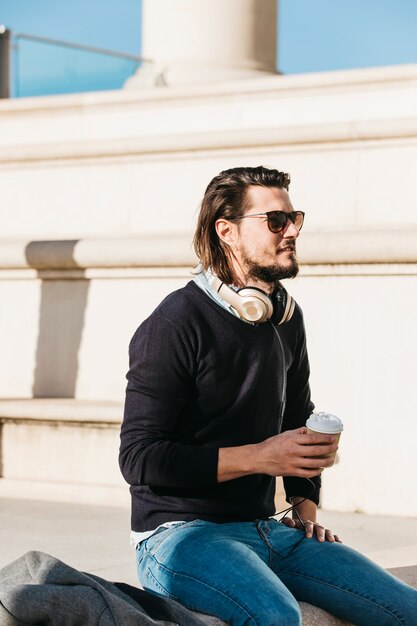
x,y
293,453
306,510
312,528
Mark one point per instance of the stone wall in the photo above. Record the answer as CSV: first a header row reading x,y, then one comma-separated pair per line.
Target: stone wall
x,y
99,198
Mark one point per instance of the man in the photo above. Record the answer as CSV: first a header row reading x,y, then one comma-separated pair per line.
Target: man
x,y
216,404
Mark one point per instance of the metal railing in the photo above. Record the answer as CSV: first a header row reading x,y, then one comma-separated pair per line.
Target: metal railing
x,y
4,62
25,61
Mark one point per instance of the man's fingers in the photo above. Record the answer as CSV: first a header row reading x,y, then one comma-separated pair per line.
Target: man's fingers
x,y
312,528
304,473
324,534
310,451
309,527
307,439
308,462
320,532
307,467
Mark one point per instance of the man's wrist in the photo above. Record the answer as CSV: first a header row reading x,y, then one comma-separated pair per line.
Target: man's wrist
x,y
236,462
306,509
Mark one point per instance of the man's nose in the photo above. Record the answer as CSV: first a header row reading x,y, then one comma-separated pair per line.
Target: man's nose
x,y
291,230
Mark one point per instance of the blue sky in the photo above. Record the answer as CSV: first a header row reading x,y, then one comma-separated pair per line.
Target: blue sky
x,y
313,35
114,24
42,69
317,35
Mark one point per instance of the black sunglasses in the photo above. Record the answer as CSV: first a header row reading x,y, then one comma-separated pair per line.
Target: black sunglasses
x,y
277,220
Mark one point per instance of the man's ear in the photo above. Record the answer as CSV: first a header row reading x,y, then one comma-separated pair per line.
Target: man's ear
x,y
226,231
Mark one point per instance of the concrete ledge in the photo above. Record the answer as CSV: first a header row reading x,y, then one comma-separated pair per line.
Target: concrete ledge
x,y
406,574
61,410
337,80
61,449
361,246
313,616
55,491
317,134
353,246
109,253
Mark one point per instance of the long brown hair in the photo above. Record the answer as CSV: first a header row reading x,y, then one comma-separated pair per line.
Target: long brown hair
x,y
226,196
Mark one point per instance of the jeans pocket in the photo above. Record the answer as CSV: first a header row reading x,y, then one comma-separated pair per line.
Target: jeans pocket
x,y
161,535
154,541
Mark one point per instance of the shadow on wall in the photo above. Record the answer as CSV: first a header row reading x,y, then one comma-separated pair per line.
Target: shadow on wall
x,y
63,305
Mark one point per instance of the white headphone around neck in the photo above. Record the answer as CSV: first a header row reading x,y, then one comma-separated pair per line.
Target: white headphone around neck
x,y
254,305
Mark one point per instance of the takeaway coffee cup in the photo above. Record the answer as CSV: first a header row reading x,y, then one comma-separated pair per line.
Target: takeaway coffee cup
x,y
324,423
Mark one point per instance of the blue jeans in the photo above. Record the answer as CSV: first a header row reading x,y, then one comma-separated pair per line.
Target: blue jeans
x,y
252,573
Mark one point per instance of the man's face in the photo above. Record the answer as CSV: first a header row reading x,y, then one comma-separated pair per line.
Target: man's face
x,y
262,255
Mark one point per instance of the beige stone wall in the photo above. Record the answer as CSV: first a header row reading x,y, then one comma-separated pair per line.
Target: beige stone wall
x,y
133,163
99,198
67,335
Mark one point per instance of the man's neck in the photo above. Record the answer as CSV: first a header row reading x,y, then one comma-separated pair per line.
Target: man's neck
x,y
247,281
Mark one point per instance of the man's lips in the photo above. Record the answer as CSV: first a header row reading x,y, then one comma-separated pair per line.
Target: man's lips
x,y
289,246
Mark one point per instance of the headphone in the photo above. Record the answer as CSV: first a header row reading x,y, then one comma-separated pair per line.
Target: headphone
x,y
254,305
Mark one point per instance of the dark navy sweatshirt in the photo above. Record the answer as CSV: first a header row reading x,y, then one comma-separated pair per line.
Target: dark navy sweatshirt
x,y
201,379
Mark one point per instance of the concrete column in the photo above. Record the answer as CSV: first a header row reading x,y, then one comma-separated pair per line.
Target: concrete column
x,y
195,42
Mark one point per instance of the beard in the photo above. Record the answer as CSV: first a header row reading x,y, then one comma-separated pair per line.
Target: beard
x,y
271,274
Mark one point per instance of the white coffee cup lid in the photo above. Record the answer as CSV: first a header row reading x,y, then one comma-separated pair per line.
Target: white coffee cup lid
x,y
325,423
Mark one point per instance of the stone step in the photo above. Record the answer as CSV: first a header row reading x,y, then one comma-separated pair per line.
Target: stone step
x,y
61,449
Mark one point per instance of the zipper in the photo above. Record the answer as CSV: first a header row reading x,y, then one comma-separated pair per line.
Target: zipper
x,y
284,381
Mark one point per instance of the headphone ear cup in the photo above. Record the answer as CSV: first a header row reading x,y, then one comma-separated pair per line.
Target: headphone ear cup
x,y
256,305
284,306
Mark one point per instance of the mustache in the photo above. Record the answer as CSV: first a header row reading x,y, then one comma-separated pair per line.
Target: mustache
x,y
289,245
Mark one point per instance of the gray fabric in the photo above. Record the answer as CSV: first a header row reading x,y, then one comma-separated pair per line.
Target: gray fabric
x,y
39,589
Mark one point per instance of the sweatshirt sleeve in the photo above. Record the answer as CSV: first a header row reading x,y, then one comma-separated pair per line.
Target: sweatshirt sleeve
x,y
298,408
152,452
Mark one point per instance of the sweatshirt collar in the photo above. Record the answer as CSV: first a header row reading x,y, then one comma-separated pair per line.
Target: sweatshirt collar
x,y
202,279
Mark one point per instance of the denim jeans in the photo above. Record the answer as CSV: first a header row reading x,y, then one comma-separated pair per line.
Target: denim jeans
x,y
252,573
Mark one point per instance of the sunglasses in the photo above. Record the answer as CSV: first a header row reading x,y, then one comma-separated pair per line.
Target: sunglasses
x,y
278,220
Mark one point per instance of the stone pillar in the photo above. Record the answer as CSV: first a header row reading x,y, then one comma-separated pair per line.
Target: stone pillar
x,y
194,42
